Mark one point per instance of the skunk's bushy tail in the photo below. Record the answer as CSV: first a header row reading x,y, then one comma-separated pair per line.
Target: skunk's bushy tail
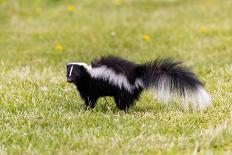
x,y
170,79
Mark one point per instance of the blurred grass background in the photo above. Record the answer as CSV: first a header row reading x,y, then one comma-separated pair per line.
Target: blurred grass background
x,y
41,114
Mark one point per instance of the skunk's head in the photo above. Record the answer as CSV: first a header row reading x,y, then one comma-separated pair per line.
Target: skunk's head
x,y
75,71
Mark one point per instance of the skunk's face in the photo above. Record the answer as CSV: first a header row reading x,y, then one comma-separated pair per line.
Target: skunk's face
x,y
74,72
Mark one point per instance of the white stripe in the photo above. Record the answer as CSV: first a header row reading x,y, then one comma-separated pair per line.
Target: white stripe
x,y
70,73
109,75
119,80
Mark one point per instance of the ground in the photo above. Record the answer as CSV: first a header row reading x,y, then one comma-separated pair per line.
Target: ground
x,y
40,113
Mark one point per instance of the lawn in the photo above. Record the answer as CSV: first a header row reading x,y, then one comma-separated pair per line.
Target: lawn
x,y
40,113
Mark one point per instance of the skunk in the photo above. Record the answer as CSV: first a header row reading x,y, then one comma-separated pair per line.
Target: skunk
x,y
125,80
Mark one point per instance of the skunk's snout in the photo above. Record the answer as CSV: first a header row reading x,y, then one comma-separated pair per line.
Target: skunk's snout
x,y
69,79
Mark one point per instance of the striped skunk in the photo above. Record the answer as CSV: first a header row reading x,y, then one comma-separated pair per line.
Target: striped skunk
x,y
125,80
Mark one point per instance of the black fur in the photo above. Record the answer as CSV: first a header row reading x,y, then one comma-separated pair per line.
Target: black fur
x,y
91,88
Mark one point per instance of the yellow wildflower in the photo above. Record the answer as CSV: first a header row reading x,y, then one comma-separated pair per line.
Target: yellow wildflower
x,y
210,2
146,37
59,47
38,10
118,2
71,8
203,29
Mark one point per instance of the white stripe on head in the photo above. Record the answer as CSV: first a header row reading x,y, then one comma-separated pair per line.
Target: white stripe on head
x,y
70,73
88,67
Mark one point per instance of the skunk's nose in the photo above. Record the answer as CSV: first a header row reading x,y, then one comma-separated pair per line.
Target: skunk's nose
x,y
69,79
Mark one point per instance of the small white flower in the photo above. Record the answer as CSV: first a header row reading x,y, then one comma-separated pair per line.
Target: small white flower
x,y
113,34
44,89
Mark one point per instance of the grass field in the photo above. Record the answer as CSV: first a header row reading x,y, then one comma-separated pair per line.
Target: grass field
x,y
40,113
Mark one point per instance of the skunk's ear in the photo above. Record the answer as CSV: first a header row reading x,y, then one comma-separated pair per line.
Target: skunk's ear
x,y
93,64
82,68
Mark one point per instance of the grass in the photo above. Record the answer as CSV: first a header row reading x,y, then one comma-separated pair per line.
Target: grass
x,y
42,114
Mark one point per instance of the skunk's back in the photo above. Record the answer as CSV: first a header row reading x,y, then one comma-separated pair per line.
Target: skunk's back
x,y
119,65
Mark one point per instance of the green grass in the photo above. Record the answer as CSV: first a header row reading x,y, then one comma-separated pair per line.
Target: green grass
x,y
42,114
